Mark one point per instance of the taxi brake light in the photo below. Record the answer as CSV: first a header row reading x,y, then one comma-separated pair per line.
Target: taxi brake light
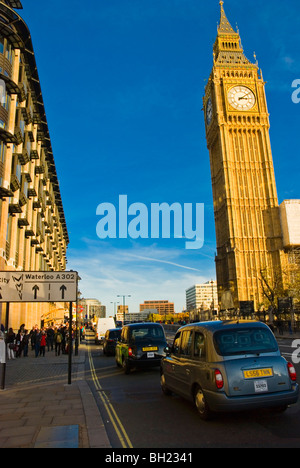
x,y
219,379
292,372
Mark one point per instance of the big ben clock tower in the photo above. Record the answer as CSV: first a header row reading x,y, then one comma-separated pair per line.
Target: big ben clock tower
x,y
248,231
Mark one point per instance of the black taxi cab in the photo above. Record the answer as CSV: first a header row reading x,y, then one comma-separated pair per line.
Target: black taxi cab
x,y
140,345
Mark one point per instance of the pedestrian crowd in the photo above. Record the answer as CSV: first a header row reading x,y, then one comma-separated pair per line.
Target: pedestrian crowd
x,y
38,339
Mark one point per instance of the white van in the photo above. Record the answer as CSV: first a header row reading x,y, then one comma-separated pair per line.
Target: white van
x,y
103,325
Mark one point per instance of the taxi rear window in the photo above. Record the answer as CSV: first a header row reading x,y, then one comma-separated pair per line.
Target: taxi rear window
x,y
244,341
146,333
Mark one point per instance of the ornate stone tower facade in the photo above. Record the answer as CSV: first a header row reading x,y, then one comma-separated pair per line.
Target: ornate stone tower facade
x,y
247,222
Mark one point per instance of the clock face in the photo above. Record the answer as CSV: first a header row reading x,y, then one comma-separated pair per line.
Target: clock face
x,y
209,111
241,98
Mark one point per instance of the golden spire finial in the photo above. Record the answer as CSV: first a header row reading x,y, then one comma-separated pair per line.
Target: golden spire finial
x,y
225,26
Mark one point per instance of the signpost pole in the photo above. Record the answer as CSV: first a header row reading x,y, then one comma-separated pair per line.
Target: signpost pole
x,y
70,345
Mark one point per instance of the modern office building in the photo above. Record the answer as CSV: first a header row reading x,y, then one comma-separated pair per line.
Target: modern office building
x,y
33,231
91,309
162,307
122,309
130,317
246,210
202,296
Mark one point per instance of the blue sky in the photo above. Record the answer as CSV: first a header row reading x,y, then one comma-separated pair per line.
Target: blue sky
x,y
123,82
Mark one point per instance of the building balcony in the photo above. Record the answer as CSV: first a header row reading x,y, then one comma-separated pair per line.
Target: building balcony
x,y
18,136
14,208
23,220
7,137
22,199
34,154
39,169
37,203
16,4
30,135
14,183
29,233
34,241
11,86
23,157
27,115
31,192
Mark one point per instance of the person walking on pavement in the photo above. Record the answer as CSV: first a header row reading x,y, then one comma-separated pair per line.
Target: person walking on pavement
x,y
20,344
11,344
25,343
43,343
50,338
58,338
37,342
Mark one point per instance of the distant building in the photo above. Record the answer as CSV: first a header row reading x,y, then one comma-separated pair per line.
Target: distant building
x,y
92,308
121,309
133,316
202,296
162,307
290,223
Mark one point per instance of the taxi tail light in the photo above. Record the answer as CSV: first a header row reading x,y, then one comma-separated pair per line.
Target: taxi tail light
x,y
292,372
129,352
219,379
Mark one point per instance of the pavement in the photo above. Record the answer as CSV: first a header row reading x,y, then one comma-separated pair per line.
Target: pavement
x,y
39,409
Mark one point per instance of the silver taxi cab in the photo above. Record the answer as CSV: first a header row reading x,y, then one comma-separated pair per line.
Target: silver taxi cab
x,y
229,366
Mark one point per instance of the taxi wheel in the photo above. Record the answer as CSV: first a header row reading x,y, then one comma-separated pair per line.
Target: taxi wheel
x,y
201,404
126,366
164,388
118,364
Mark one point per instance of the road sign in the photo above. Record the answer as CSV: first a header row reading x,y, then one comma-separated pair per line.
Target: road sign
x,y
38,286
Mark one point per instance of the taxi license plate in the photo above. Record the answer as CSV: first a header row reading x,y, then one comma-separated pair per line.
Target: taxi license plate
x,y
260,386
150,348
257,373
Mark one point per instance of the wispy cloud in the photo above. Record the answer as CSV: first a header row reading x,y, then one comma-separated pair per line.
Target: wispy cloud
x,y
107,272
163,261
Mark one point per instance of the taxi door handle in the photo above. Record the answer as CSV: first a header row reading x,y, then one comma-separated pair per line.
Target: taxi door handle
x,y
187,371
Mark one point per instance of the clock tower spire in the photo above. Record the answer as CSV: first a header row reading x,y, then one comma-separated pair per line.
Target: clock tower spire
x,y
224,27
248,231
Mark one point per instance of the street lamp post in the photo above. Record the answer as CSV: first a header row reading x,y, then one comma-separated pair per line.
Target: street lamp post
x,y
124,295
114,303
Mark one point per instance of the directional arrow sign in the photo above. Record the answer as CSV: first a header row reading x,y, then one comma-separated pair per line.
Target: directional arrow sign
x,y
63,288
38,286
35,289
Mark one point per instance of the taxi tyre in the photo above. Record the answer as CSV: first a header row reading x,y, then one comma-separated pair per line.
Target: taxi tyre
x,y
203,409
126,366
165,389
118,364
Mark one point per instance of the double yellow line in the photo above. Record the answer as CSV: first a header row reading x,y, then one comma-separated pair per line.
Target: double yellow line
x,y
118,426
